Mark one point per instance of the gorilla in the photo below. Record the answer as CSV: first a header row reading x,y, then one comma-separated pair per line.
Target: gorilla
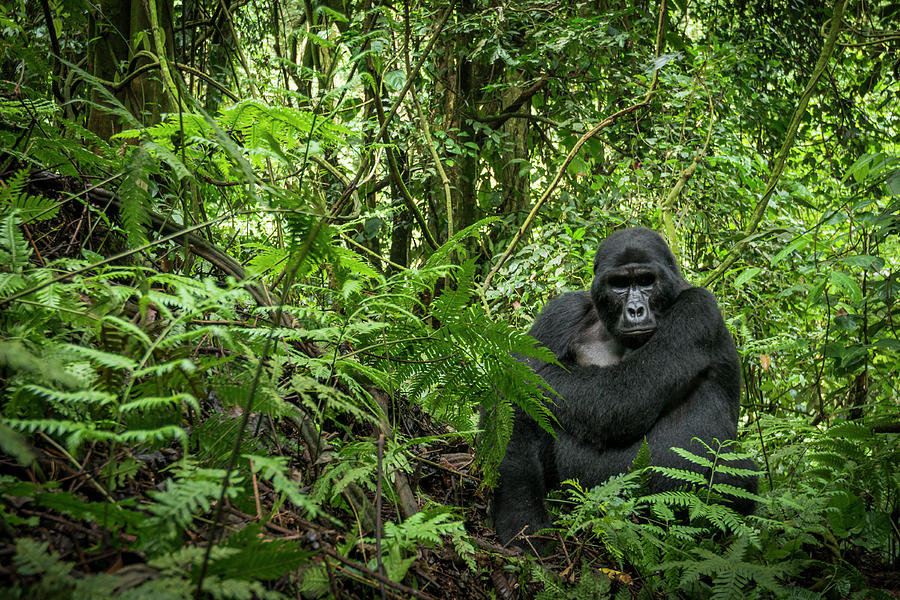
x,y
644,355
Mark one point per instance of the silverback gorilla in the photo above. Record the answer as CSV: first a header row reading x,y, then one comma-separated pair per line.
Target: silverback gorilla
x,y
643,354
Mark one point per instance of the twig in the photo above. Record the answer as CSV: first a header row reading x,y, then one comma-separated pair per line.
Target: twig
x,y
79,466
375,575
255,491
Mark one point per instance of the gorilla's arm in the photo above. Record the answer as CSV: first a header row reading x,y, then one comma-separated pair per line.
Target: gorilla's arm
x,y
614,405
557,326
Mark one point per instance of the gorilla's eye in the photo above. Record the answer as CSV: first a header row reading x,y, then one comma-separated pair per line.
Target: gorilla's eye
x,y
618,281
645,279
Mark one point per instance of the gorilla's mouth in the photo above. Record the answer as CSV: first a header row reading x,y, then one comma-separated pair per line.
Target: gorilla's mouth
x,y
644,331
635,338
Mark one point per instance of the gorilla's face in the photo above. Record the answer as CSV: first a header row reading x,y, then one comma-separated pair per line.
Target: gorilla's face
x,y
630,289
636,279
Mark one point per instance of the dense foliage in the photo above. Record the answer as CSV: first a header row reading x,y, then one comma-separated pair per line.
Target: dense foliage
x,y
265,268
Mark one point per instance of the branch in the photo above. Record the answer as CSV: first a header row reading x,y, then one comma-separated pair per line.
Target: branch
x,y
520,233
781,158
198,73
519,115
510,110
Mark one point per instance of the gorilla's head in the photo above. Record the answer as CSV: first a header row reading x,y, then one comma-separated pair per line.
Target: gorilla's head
x,y
636,279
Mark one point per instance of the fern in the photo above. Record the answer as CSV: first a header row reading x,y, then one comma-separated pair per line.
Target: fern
x,y
468,362
265,259
33,558
14,249
273,468
148,403
400,539
730,575
18,358
170,158
75,433
13,198
189,494
109,360
234,574
15,445
112,515
590,585
134,197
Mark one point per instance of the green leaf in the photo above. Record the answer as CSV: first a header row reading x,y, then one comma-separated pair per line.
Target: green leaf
x,y
864,261
846,283
169,158
748,274
797,244
396,79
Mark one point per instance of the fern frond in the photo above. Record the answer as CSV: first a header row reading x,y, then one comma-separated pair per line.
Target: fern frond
x,y
152,403
736,471
732,491
110,360
13,244
34,558
13,444
134,197
17,357
184,364
265,259
13,196
108,513
180,339
75,433
427,527
684,475
10,283
677,498
170,158
730,574
274,469
63,400
440,256
351,263
693,458
256,559
165,434
190,493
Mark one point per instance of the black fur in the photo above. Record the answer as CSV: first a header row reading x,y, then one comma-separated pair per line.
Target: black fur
x,y
677,379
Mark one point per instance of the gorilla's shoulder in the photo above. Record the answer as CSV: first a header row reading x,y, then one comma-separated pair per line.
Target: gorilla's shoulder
x,y
578,302
562,319
698,297
697,307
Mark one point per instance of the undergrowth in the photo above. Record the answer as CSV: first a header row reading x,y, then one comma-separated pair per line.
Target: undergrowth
x,y
172,432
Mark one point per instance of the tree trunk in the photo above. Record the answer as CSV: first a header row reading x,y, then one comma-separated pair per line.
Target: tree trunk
x,y
118,31
514,179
